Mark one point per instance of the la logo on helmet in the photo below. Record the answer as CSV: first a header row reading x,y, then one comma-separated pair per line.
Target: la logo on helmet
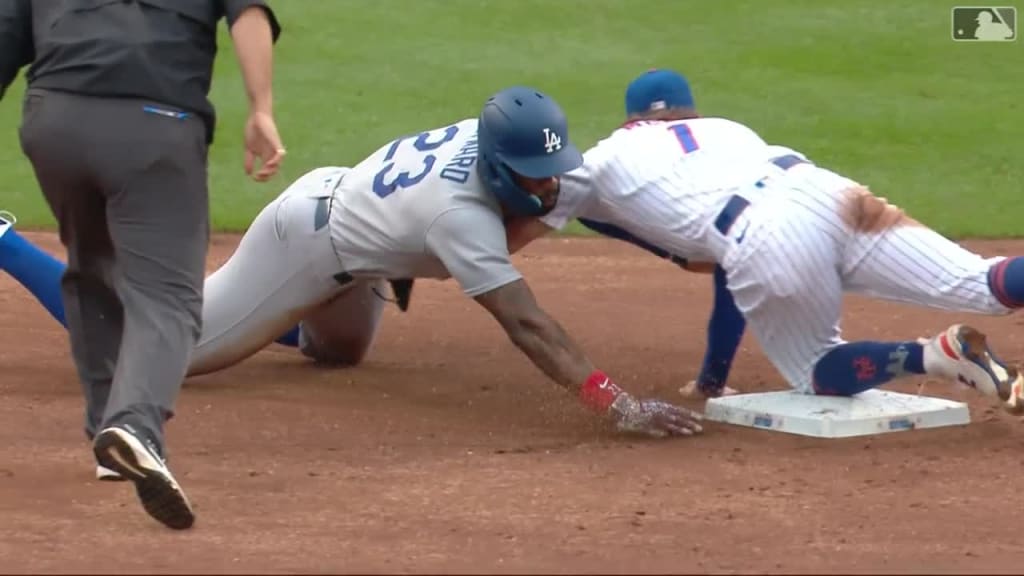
x,y
552,141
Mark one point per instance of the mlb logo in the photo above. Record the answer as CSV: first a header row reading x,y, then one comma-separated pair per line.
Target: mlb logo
x,y
984,24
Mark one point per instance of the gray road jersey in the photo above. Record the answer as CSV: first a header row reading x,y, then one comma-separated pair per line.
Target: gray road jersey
x,y
416,209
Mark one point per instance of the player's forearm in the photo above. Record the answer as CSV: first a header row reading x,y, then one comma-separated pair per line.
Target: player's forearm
x,y
521,231
254,46
551,349
725,332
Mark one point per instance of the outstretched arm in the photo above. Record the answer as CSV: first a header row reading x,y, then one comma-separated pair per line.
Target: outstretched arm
x,y
613,231
555,353
472,244
725,327
538,335
725,332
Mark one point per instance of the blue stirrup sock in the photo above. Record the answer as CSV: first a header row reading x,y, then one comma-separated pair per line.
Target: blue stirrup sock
x,y
36,270
1006,281
854,367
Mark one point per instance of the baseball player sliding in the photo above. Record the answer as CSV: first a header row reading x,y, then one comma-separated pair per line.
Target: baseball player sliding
x,y
792,237
427,205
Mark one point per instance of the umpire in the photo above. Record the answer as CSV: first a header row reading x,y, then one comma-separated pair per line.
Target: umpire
x,y
117,124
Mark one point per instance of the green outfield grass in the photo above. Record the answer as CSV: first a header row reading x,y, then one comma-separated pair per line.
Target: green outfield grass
x,y
872,88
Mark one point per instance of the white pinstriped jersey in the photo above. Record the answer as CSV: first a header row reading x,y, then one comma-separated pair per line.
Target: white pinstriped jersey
x,y
666,181
791,254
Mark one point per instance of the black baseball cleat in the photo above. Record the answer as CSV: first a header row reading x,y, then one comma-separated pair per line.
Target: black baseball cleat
x,y
122,450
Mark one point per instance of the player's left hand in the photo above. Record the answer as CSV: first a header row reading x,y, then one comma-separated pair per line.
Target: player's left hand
x,y
654,418
692,391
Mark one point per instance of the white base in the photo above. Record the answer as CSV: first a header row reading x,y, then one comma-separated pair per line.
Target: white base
x,y
871,412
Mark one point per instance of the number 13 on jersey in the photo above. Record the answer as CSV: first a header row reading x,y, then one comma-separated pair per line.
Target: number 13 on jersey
x,y
391,178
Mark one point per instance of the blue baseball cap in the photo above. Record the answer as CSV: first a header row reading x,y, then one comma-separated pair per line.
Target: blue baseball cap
x,y
657,90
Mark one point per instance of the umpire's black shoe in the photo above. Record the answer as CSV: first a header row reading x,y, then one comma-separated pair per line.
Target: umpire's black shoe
x,y
121,449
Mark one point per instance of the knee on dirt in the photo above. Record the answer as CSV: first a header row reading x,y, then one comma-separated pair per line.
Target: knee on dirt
x,y
349,352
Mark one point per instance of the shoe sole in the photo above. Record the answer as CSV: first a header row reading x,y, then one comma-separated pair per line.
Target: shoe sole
x,y
108,475
974,347
162,498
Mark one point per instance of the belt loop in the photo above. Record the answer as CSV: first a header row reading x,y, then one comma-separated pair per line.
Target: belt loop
x,y
788,161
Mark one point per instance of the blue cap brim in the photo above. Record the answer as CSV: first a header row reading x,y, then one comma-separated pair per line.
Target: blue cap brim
x,y
546,166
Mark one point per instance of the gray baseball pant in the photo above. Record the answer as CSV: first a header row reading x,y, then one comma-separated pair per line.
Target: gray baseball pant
x,y
128,188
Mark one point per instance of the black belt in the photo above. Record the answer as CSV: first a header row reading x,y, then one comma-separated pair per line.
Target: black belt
x,y
727,217
737,204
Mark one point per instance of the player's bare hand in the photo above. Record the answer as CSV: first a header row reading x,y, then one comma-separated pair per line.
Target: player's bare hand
x,y
694,392
654,418
263,142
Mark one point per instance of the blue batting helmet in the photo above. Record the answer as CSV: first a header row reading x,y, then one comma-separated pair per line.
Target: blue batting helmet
x,y
522,130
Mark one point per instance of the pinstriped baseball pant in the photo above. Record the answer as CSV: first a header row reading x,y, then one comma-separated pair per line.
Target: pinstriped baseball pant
x,y
800,254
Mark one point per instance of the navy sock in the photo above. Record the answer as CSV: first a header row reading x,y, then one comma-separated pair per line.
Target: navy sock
x,y
291,338
1006,281
36,270
854,367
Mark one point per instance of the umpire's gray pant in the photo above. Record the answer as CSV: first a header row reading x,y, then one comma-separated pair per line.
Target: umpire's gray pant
x,y
129,191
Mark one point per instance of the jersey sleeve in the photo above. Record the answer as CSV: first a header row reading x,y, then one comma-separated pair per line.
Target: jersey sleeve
x,y
472,246
574,191
234,8
16,48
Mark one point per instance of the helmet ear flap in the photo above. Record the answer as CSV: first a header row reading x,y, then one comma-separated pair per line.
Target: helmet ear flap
x,y
500,179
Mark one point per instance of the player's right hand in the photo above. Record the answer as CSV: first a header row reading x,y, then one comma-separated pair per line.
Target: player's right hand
x,y
655,418
262,141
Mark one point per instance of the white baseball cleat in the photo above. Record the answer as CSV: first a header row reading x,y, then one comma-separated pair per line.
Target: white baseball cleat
x,y
7,221
961,353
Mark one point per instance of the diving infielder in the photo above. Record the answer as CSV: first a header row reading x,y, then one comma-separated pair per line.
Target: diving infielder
x,y
428,205
792,237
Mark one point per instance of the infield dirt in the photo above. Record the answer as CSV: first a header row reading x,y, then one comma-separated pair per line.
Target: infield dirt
x,y
448,452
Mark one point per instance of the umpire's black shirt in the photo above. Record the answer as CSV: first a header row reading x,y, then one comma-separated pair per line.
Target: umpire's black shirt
x,y
160,50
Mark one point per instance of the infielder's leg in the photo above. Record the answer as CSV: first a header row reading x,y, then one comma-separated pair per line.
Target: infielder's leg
x,y
283,268
787,282
908,262
341,331
791,296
